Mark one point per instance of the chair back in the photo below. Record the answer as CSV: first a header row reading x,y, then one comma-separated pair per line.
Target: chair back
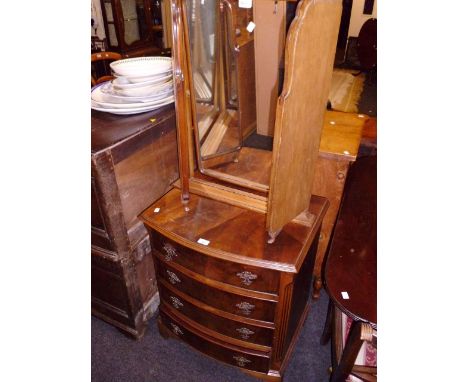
x,y
100,70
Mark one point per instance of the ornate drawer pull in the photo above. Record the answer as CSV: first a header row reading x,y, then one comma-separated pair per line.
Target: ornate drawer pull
x,y
247,277
170,252
245,307
241,361
173,279
245,333
176,329
176,303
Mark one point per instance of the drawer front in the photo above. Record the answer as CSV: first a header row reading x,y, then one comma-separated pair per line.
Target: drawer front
x,y
238,330
240,358
229,302
254,278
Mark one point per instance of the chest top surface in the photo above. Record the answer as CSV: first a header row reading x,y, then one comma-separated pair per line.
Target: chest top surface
x,y
234,233
110,129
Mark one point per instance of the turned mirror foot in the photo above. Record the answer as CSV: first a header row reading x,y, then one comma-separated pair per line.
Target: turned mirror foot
x,y
272,236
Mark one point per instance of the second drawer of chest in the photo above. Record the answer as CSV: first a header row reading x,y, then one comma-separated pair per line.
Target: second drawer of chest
x,y
240,275
241,305
204,315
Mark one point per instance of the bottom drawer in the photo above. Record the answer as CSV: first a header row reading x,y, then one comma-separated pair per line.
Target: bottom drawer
x,y
232,355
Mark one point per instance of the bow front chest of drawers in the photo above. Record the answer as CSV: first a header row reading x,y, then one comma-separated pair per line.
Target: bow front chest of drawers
x,y
224,290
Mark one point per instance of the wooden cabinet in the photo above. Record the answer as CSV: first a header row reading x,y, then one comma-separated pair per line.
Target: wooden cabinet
x,y
133,27
339,146
224,289
133,161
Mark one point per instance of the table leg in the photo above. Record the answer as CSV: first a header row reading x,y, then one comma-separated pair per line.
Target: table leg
x,y
350,352
317,287
327,329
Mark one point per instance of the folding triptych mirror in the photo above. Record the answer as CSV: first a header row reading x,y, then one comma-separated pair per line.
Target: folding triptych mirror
x,y
216,91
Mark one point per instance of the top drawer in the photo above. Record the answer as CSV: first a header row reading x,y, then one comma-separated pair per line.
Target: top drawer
x,y
245,276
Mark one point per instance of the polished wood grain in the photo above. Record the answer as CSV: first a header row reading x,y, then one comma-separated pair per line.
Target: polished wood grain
x,y
210,293
237,291
243,276
352,261
235,234
215,322
351,267
309,56
230,354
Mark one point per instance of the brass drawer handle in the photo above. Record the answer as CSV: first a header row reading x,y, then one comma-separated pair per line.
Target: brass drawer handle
x,y
170,252
176,303
245,307
176,329
173,279
247,277
241,361
245,333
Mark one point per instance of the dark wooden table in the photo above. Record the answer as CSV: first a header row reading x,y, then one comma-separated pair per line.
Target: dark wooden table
x,y
350,272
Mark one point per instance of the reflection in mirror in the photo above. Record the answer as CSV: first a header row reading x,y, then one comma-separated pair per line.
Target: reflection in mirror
x,y
135,27
214,75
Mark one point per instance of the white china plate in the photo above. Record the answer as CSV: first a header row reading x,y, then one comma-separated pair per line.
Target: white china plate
x,y
132,111
141,66
133,105
123,83
103,93
144,91
108,95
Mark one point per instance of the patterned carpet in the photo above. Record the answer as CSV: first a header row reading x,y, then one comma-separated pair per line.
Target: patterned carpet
x,y
346,89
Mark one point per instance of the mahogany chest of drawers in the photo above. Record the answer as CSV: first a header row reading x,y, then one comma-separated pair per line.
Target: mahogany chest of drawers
x,y
133,162
224,290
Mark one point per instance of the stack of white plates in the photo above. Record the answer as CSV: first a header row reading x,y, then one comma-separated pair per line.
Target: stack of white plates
x,y
141,84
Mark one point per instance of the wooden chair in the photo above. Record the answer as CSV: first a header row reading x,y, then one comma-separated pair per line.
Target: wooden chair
x,y
100,70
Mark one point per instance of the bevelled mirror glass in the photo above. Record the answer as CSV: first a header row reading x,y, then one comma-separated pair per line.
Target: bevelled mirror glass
x,y
214,76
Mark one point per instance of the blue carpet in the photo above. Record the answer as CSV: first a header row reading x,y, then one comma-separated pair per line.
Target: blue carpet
x,y
118,358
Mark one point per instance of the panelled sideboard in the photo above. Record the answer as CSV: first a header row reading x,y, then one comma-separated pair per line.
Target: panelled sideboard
x,y
133,162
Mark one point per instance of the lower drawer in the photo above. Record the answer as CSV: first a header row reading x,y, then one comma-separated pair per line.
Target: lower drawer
x,y
232,355
239,331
